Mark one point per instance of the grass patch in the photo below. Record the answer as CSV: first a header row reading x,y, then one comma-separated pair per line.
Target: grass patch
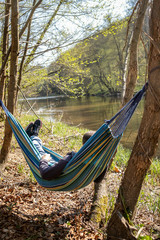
x,y
155,169
20,169
122,156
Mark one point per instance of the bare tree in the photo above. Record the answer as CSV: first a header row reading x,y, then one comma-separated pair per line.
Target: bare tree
x,y
20,35
30,57
131,79
25,62
145,145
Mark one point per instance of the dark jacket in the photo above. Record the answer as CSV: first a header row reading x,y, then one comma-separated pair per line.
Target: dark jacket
x,y
50,172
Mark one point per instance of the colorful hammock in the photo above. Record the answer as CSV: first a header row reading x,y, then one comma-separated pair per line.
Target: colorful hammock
x,y
90,161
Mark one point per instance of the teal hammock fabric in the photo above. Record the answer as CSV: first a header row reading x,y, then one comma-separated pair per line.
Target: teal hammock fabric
x,y
90,161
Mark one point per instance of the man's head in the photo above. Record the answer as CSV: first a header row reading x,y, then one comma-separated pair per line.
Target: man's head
x,y
87,135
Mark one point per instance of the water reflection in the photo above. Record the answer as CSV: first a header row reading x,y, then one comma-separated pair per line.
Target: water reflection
x,y
86,112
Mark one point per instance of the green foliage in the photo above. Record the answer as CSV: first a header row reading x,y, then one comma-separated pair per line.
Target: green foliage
x,y
34,81
144,238
115,28
94,66
71,73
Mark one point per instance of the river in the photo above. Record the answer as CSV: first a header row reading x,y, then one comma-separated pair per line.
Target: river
x,y
86,112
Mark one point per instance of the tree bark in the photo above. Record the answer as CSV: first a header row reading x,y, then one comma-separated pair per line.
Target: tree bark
x,y
24,63
132,68
125,67
5,46
100,203
13,77
24,55
100,199
146,142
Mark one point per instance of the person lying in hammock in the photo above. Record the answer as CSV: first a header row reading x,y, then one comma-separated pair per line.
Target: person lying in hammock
x,y
50,172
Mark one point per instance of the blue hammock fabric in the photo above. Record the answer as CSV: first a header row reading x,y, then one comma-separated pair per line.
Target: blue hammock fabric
x,y
90,161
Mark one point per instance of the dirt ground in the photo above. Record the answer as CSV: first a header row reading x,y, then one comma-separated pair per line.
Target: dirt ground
x,y
30,212
27,211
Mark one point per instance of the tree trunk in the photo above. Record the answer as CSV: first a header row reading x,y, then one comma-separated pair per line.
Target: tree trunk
x,y
13,78
24,64
100,199
125,67
132,68
132,76
24,56
5,46
146,142
100,203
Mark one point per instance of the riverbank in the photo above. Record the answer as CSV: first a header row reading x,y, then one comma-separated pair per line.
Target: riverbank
x,y
31,212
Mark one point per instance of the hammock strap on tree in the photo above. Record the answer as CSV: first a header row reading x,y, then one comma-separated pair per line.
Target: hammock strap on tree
x,y
117,123
90,161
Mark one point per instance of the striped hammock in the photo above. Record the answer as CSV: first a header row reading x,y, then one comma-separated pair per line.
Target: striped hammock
x,y
90,161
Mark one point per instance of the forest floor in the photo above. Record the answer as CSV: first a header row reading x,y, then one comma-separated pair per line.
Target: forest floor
x,y
29,212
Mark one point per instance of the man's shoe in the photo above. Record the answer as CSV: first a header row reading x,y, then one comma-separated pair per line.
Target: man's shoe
x,y
29,129
36,127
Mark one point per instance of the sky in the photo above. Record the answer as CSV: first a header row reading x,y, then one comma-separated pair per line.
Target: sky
x,y
73,25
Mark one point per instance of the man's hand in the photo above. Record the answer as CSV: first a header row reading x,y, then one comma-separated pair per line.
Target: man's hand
x,y
46,157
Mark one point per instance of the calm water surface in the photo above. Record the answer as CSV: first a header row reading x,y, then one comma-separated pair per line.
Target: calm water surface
x,y
86,112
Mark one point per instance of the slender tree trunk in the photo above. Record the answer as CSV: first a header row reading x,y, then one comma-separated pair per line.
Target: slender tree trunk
x,y
132,68
5,46
145,145
125,67
13,77
24,63
24,55
103,80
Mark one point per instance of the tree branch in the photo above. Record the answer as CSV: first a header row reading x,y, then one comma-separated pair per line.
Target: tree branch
x,y
20,34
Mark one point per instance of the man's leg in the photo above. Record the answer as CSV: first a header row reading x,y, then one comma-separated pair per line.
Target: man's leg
x,y
33,130
47,172
38,144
